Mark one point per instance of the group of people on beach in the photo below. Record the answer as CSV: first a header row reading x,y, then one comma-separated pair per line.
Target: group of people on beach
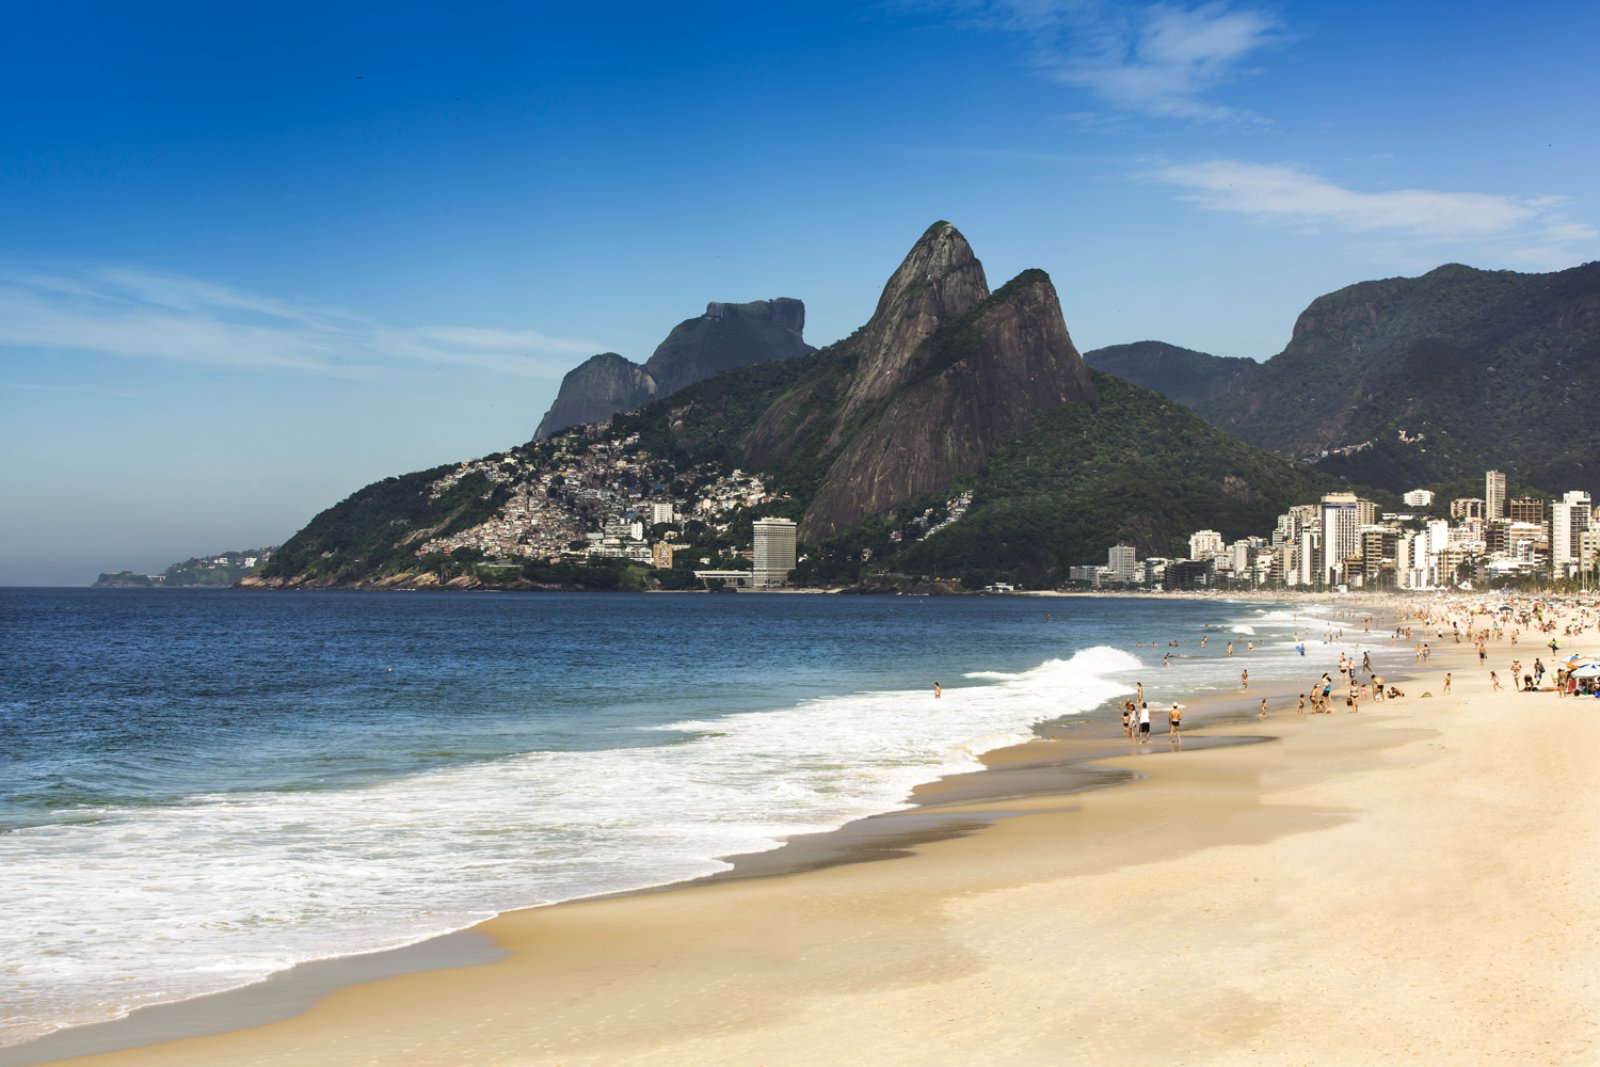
x,y
1136,718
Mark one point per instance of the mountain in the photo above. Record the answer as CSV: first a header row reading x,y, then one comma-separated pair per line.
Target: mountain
x,y
214,572
915,399
727,336
596,389
1128,467
1182,374
957,432
1416,381
949,388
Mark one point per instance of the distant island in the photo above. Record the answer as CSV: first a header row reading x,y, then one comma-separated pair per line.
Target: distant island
x,y
200,572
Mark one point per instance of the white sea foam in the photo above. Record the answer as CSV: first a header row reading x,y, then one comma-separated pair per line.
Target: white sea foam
x,y
158,904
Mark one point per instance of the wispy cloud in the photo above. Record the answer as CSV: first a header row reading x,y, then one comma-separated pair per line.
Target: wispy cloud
x,y
1291,194
1154,59
140,314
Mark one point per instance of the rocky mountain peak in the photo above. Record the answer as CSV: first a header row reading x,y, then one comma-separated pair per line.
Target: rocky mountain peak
x,y
980,379
939,279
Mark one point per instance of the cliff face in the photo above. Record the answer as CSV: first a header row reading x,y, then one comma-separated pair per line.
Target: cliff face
x,y
726,337
596,389
939,279
979,379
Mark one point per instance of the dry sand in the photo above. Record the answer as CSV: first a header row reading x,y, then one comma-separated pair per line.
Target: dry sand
x,y
1414,883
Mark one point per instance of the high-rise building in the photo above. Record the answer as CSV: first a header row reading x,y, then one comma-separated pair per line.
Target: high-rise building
x,y
1494,495
1568,519
1205,544
774,552
661,511
1122,564
1526,509
1466,507
1343,514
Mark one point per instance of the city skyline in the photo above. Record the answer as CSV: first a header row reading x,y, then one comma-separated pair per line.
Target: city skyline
x,y
252,264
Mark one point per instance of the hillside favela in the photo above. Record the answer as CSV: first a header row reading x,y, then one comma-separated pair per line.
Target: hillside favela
x,y
1037,534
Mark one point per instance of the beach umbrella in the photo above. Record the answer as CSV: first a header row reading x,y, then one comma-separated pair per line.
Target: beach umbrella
x,y
1586,670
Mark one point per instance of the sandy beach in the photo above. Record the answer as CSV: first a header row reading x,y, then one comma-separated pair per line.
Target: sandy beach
x,y
1410,883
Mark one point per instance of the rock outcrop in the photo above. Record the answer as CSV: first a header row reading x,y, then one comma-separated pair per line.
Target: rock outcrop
x,y
977,380
726,337
939,279
596,389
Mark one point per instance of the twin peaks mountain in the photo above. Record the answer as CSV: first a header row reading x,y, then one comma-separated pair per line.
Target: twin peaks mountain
x,y
942,373
726,337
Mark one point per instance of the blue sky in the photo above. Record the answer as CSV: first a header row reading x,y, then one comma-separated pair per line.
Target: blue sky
x,y
253,257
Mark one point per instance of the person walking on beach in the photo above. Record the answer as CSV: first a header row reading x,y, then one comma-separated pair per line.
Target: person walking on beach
x,y
1174,721
1127,718
1447,682
1263,707
938,691
1244,679
1495,678
1301,709
1144,724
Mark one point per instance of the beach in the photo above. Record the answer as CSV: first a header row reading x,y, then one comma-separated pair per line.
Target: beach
x,y
1409,882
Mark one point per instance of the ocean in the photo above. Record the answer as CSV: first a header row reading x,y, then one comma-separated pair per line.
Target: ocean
x,y
201,788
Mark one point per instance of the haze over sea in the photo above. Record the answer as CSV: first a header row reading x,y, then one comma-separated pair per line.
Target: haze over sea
x,y
200,788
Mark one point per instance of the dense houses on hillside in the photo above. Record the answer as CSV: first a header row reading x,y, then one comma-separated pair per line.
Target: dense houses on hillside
x,y
576,496
1343,542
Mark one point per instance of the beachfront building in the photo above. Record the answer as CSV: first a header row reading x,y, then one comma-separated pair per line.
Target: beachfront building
x,y
1122,565
1343,515
774,555
1494,495
1569,518
1205,544
1380,552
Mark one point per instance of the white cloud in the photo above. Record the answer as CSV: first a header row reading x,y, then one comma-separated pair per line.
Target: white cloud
x,y
1155,59
1287,193
140,314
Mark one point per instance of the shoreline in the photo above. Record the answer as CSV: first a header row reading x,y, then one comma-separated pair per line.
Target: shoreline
x,y
1065,757
1021,786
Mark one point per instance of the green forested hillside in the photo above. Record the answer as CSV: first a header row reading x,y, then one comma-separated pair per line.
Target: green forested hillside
x,y
366,534
1131,467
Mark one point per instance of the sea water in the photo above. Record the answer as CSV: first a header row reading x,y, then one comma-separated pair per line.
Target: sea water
x,y
200,788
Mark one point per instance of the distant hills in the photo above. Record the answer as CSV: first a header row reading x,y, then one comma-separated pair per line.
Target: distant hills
x,y
218,572
1414,381
1182,374
726,337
